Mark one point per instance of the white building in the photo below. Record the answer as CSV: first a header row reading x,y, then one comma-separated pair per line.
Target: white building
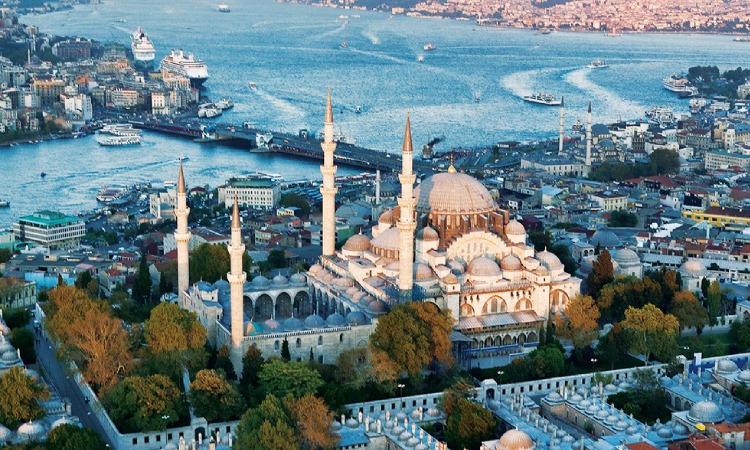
x,y
253,191
50,229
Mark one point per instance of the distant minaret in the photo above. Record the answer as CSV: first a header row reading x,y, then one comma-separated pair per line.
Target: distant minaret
x,y
182,236
562,126
329,189
377,187
406,223
588,139
236,278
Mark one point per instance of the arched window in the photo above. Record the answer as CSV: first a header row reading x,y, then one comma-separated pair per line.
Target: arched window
x,y
276,345
341,337
523,305
299,342
559,298
466,310
320,340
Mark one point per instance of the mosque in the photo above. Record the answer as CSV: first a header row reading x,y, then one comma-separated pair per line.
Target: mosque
x,y
446,242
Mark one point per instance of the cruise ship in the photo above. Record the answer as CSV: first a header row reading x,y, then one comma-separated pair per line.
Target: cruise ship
x,y
679,85
143,49
115,141
543,99
193,69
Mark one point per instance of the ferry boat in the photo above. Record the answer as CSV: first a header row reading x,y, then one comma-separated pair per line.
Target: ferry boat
x,y
577,127
598,64
679,85
661,115
209,111
542,98
108,194
4,203
193,69
184,158
225,103
223,8
429,47
115,141
119,129
143,49
742,39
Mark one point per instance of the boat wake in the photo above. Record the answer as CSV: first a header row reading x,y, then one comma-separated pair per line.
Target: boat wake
x,y
332,32
520,83
381,56
616,106
369,34
290,114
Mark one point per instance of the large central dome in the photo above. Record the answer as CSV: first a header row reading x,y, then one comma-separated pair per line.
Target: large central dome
x,y
453,193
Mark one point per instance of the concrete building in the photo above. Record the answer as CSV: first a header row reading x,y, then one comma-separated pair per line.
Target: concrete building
x,y
15,293
48,91
253,191
50,229
723,159
610,201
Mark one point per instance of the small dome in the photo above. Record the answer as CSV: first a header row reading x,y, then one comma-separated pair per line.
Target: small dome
x,y
292,324
583,404
272,326
6,346
298,278
366,300
744,376
626,256
611,419
377,307
605,239
397,429
456,266
389,239
693,268
575,399
404,436
279,280
493,405
664,432
336,320
314,321
394,266
511,262
554,397
352,422
10,357
428,234
386,218
621,425
31,429
631,430
541,271
60,422
169,446
358,295
260,281
315,268
680,429
610,388
357,243
336,425
356,318
433,412
345,282
602,413
422,272
222,285
726,366
705,411
5,434
549,260
483,267
514,440
252,328
412,442
450,279
592,409
514,228
351,291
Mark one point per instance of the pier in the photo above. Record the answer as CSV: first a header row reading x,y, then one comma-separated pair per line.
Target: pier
x,y
299,145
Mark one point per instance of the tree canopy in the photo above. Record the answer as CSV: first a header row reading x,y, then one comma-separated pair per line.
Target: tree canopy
x,y
602,273
581,326
71,437
144,403
214,398
689,311
651,332
20,400
282,378
467,422
267,427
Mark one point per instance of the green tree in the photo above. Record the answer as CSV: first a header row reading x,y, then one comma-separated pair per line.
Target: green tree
x,y
23,340
689,311
613,346
602,273
71,437
546,361
214,398
175,338
224,363
83,279
142,285
209,263
20,400
142,403
622,219
285,355
651,331
467,422
540,239
17,317
276,259
282,378
293,199
581,324
705,283
739,332
615,297
5,255
664,161
713,301
563,254
252,363
267,427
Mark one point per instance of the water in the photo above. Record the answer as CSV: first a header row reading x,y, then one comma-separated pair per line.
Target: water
x,y
293,52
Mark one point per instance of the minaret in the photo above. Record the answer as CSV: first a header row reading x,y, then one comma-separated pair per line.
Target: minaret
x,y
328,189
562,126
406,223
182,236
588,139
236,278
377,187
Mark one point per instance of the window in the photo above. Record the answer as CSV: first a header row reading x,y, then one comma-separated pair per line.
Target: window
x,y
320,340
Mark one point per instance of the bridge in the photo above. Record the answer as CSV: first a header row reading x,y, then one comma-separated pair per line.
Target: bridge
x,y
299,145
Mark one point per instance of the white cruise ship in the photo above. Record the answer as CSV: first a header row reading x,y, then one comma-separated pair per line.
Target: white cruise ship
x,y
542,98
193,69
114,141
143,49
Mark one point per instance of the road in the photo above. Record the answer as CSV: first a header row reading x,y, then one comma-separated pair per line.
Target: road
x,y
65,386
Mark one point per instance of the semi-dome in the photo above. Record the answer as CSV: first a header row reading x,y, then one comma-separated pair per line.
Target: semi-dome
x,y
279,280
515,228
511,262
626,256
10,357
483,267
456,266
261,281
549,260
292,324
693,268
336,320
357,243
428,234
726,366
514,440
605,239
388,239
453,193
386,218
705,411
314,321
422,272
356,318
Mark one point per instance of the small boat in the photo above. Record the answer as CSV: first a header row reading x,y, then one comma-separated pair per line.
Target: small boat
x,y
429,47
546,31
225,103
4,203
223,8
122,20
420,58
252,85
184,158
477,97
43,174
343,16
742,39
358,109
344,44
598,64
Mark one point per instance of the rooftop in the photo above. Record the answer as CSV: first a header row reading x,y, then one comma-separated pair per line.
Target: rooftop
x,y
49,218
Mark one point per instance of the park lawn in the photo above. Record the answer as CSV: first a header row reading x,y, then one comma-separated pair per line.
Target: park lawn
x,y
709,345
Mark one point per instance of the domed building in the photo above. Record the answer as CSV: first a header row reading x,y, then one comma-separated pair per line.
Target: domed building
x,y
692,273
513,439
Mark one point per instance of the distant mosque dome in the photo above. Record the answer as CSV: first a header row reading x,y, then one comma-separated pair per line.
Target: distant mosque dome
x,y
357,243
605,239
450,279
453,193
423,272
272,326
377,307
483,267
298,278
726,366
514,228
222,285
626,256
428,234
514,440
356,318
292,324
389,239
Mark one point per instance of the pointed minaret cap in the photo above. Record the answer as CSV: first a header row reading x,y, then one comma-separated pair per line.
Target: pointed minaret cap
x,y
235,214
451,168
329,108
589,106
562,101
181,181
407,148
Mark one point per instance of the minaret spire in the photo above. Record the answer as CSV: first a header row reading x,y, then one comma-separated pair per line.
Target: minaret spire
x,y
182,237
562,126
328,189
588,138
406,223
236,278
